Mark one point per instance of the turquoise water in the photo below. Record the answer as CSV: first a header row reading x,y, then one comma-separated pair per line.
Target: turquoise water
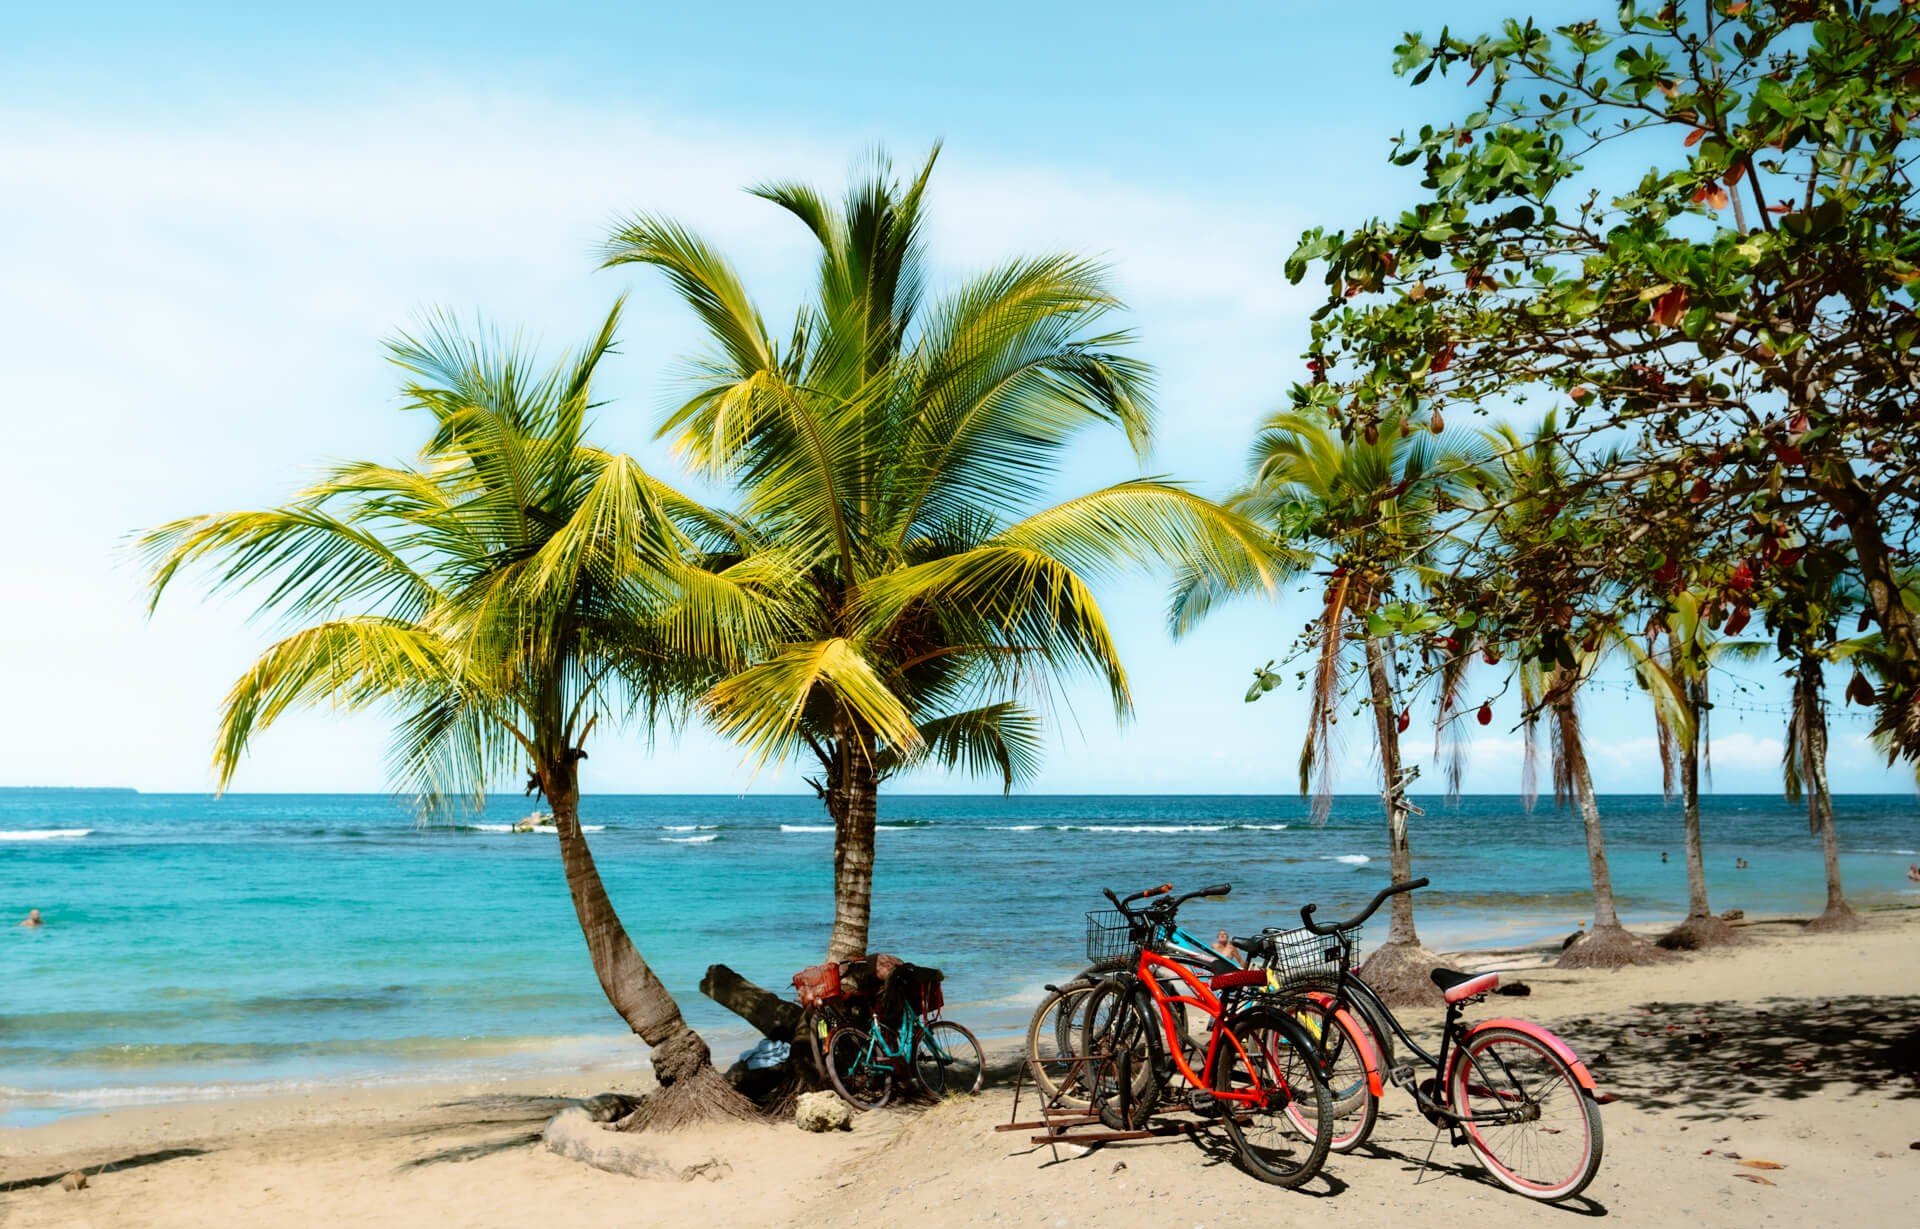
x,y
195,946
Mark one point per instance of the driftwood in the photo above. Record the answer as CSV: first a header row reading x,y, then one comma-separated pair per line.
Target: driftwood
x,y
771,1015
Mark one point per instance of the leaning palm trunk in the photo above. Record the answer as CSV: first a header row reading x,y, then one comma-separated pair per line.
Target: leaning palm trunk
x,y
853,800
690,1088
1609,945
1811,712
1701,928
1399,968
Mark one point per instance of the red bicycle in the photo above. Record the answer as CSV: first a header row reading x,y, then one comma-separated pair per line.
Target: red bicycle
x,y
1255,1069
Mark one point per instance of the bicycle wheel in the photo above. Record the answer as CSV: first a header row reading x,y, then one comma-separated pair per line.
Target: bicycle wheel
x,y
949,1061
1274,1057
1528,1120
1125,1077
1055,1060
1342,1047
863,1078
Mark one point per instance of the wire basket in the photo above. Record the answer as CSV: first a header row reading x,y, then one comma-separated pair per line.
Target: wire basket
x,y
1112,935
1303,958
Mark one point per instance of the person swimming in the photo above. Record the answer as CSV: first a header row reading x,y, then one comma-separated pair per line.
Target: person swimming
x,y
33,918
1913,871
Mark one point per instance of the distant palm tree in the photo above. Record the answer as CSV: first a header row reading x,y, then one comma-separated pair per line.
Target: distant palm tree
x,y
1530,494
891,457
1365,508
503,595
1808,613
1679,676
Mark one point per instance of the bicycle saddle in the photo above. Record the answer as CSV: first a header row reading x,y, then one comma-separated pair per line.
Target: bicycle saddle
x,y
1456,985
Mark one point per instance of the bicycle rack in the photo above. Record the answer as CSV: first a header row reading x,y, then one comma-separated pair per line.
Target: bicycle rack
x,y
1065,1124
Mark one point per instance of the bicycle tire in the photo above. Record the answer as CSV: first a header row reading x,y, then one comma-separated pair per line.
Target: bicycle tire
x,y
948,1061
1285,1062
862,1083
1341,1046
1125,1075
1492,1056
1056,1062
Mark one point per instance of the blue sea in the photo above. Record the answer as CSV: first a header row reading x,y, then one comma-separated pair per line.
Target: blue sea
x,y
199,947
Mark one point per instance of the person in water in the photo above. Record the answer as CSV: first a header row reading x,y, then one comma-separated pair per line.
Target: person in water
x,y
33,918
1913,871
1663,857
1223,944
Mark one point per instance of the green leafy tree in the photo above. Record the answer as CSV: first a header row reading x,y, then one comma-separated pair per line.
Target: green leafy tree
x,y
1694,226
891,456
503,595
1364,508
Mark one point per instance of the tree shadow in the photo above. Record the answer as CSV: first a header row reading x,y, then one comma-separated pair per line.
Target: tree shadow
x,y
504,1122
124,1163
1713,1061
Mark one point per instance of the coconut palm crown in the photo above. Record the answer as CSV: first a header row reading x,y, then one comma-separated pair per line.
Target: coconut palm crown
x,y
896,450
504,594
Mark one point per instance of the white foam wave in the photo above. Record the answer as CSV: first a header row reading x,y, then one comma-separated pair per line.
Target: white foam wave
x,y
688,827
806,827
691,840
1016,827
1351,859
44,834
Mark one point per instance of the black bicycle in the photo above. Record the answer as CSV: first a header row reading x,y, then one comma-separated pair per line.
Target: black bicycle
x,y
1510,1090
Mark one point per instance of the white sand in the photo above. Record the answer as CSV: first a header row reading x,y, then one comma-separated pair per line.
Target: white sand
x,y
1828,1085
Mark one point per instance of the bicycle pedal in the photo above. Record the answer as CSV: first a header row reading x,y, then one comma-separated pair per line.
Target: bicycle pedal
x,y
1200,1101
1401,1076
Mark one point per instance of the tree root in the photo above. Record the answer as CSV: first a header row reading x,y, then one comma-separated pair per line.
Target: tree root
x,y
1836,920
1698,933
1401,974
1611,947
703,1096
574,1133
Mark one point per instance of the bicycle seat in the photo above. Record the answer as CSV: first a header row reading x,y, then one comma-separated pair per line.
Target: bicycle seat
x,y
1246,943
1457,985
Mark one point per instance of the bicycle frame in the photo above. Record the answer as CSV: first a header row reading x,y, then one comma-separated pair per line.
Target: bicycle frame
x,y
1196,994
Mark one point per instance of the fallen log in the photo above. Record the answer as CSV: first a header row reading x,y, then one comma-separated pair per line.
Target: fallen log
x,y
771,1015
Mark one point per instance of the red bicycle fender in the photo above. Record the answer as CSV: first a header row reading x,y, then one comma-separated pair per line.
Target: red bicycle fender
x,y
1369,1057
1559,1047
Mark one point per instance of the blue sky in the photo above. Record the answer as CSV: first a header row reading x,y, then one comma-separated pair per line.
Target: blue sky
x,y
214,218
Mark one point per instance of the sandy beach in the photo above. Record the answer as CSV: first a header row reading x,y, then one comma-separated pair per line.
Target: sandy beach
x,y
1797,1049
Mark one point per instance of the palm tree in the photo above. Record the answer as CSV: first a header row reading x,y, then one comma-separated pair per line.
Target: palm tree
x,y
1679,678
502,596
1530,494
1364,507
890,457
1807,613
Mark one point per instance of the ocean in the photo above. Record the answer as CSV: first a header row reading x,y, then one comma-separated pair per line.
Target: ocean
x,y
198,946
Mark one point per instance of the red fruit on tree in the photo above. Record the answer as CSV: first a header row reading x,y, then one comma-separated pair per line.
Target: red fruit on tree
x,y
1669,307
1742,578
1737,621
1435,423
1486,714
1406,719
1490,655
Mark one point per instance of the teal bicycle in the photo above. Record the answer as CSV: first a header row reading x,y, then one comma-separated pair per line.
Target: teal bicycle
x,y
868,1064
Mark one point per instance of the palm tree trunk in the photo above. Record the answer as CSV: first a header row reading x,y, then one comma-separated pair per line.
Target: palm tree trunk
x,y
1810,696
681,1060
1604,914
1392,792
1397,970
1701,928
1609,945
854,802
1697,906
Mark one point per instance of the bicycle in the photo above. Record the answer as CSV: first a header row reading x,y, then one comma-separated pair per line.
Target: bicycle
x,y
945,1058
1055,1061
1257,1060
1512,1091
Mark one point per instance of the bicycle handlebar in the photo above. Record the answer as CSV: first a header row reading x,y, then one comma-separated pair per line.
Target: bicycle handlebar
x,y
1167,906
1323,928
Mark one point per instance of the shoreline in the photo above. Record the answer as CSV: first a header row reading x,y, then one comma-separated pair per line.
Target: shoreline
x,y
618,1059
1786,1047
